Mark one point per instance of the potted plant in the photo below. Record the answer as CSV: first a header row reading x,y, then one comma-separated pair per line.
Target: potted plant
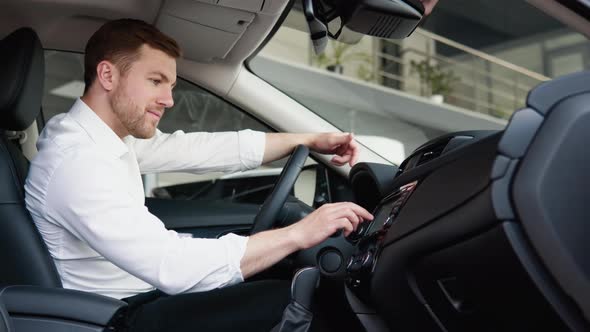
x,y
438,82
335,56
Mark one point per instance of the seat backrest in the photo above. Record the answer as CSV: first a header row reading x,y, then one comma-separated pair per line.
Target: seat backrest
x,y
5,324
23,254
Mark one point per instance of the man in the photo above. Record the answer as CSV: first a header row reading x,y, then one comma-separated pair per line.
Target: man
x,y
85,195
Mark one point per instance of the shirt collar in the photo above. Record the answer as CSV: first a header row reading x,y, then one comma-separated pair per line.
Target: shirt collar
x,y
96,129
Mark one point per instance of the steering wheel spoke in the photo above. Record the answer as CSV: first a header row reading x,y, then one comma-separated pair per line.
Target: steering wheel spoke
x,y
269,210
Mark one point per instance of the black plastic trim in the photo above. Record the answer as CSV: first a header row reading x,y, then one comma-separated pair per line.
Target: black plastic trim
x,y
577,7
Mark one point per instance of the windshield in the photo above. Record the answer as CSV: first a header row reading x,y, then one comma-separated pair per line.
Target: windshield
x,y
469,67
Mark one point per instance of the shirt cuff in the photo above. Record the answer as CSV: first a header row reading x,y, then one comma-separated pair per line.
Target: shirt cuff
x,y
252,145
236,248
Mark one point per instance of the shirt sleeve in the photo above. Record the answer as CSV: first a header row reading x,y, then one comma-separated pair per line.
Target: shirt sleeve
x,y
200,152
88,196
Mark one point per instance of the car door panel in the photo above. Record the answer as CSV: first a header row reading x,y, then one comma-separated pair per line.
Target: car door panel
x,y
203,218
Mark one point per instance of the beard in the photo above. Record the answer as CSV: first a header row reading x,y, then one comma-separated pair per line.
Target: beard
x,y
132,117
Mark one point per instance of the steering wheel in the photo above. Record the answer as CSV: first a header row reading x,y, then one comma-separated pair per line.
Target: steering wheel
x,y
266,217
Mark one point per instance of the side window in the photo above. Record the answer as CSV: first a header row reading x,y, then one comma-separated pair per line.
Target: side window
x,y
195,109
64,82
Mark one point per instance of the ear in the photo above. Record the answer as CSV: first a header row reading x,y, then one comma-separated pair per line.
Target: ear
x,y
107,75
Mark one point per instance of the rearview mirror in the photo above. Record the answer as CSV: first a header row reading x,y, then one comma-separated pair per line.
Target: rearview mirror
x,y
394,19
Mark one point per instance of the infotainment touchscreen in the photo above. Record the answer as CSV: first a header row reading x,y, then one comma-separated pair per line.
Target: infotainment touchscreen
x,y
381,215
388,210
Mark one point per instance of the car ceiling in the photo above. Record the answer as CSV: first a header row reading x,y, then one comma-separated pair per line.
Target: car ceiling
x,y
217,34
564,13
220,31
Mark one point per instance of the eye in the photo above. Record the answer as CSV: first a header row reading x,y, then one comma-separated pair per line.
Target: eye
x,y
155,82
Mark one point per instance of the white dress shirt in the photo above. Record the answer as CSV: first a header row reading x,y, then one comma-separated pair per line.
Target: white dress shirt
x,y
85,194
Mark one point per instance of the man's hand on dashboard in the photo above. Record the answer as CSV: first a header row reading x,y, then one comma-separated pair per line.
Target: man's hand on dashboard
x,y
266,248
327,220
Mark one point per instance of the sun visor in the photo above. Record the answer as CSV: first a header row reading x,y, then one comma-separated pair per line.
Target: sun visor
x,y
196,23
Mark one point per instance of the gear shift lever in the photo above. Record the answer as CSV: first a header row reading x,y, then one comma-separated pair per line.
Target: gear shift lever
x,y
297,315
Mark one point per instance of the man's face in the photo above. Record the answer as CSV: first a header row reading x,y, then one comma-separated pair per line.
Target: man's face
x,y
144,92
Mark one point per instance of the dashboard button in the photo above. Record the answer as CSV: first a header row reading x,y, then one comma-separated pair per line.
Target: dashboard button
x,y
360,231
387,223
330,261
350,261
355,266
355,263
367,261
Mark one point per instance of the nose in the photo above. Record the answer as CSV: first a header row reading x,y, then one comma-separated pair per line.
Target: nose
x,y
166,99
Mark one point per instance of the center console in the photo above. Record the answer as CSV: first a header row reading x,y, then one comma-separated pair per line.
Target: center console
x,y
369,237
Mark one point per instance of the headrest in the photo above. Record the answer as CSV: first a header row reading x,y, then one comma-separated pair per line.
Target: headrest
x,y
22,67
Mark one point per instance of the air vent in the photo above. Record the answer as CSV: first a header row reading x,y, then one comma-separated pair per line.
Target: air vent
x,y
431,153
441,146
424,154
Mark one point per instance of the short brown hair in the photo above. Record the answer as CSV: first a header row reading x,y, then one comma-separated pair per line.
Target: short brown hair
x,y
119,42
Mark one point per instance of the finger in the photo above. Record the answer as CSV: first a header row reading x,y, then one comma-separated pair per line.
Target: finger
x,y
360,211
352,217
344,212
428,6
353,160
355,222
349,137
344,148
336,161
341,150
354,152
341,159
338,139
345,225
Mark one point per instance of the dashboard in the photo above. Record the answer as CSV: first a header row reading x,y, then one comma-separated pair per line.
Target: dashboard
x,y
481,230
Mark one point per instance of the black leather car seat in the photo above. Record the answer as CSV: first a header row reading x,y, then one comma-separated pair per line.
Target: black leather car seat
x,y
31,294
25,258
5,325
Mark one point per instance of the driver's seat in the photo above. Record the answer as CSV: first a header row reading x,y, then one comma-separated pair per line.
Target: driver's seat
x,y
25,258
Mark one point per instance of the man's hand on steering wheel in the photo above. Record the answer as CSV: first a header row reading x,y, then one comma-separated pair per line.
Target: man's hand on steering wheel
x,y
266,248
343,145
